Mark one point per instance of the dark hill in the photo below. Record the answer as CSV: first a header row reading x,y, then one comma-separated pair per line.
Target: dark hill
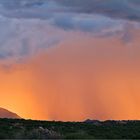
x,y
4,113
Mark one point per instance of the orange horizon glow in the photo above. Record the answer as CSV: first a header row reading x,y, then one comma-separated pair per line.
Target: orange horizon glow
x,y
81,78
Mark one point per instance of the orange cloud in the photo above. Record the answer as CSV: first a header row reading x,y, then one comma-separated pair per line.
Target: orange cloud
x,y
84,77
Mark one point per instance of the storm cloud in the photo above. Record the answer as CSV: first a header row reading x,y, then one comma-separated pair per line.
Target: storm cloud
x,y
30,25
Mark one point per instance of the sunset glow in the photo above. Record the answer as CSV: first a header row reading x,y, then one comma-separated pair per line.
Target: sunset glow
x,y
54,68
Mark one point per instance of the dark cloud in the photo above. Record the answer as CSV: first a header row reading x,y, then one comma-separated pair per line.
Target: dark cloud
x,y
91,23
55,13
124,9
22,38
44,23
12,4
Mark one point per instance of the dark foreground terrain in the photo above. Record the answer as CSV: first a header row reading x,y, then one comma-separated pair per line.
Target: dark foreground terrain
x,y
12,129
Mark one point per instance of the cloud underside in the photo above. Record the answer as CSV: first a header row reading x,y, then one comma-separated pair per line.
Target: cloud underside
x,y
30,26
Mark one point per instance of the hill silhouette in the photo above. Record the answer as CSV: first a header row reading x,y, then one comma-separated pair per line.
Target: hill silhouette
x,y
4,113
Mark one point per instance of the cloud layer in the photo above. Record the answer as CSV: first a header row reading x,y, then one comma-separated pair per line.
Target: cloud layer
x,y
126,9
27,26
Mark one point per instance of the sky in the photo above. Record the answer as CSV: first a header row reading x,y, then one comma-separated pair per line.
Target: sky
x,y
70,60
